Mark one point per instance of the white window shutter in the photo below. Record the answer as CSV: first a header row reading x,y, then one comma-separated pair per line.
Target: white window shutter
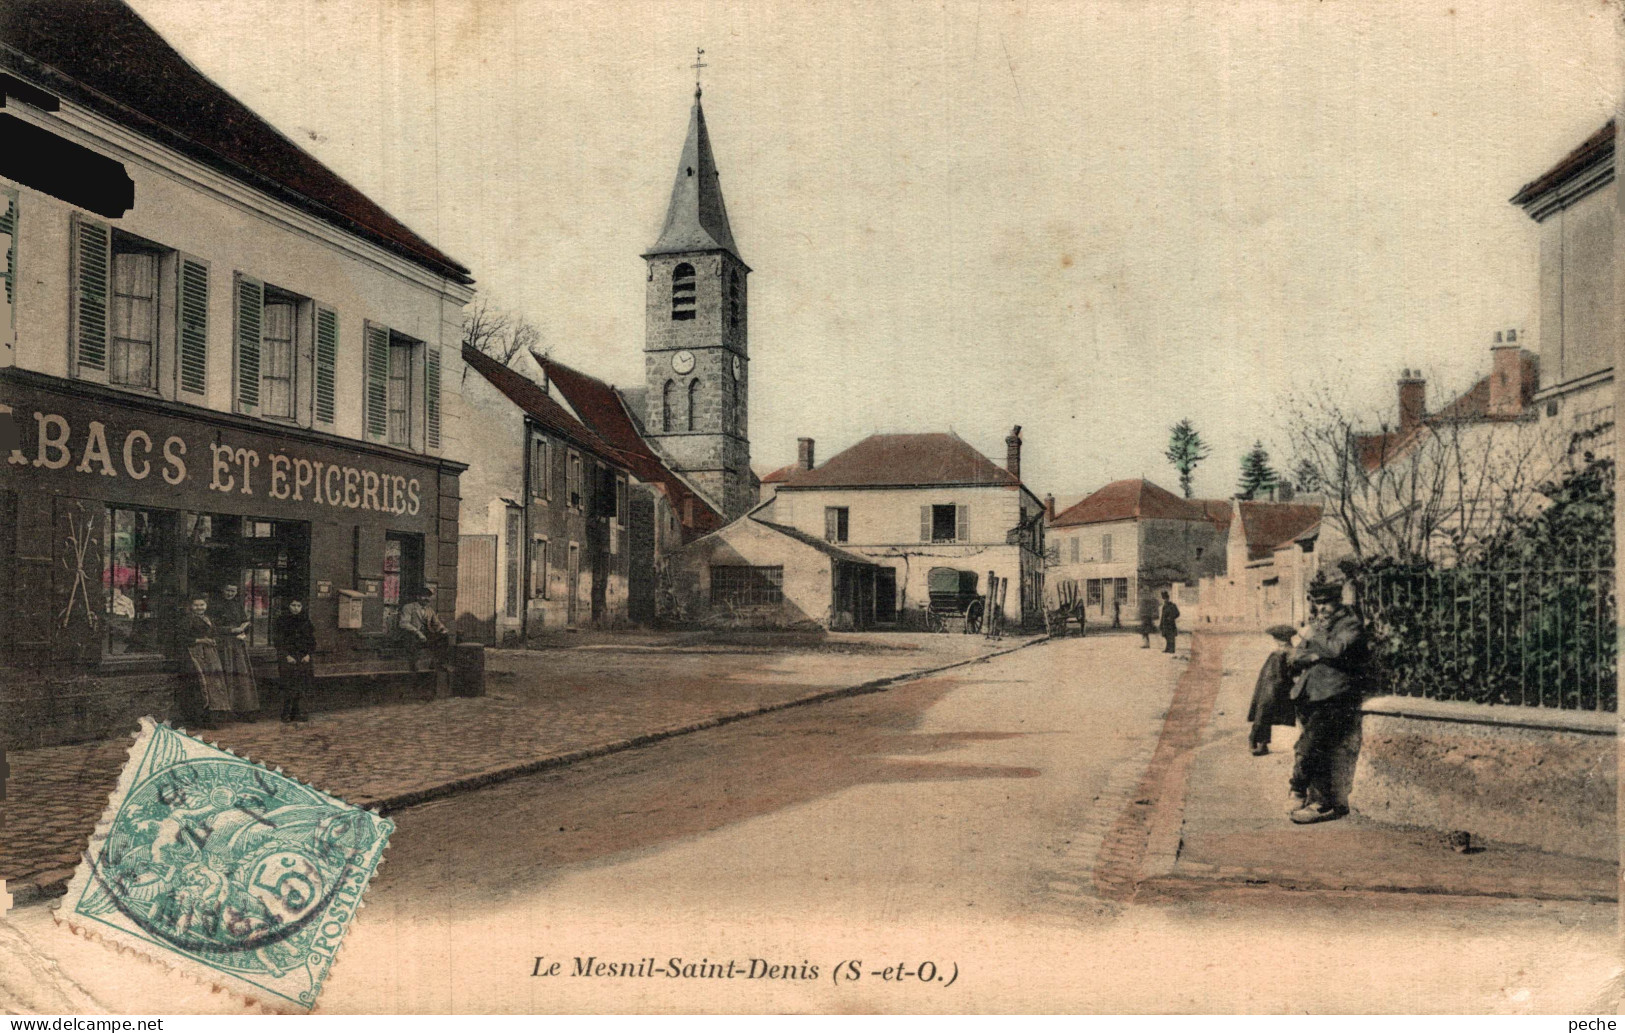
x,y
250,294
92,269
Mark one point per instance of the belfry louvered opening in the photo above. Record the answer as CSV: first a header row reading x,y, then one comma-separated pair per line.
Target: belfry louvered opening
x,y
683,292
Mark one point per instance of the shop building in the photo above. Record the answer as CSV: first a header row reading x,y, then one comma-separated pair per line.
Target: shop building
x,y
238,371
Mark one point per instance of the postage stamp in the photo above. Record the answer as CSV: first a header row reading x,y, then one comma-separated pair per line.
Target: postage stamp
x,y
237,873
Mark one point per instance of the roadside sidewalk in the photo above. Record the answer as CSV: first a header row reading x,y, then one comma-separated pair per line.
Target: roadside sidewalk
x,y
1235,830
541,710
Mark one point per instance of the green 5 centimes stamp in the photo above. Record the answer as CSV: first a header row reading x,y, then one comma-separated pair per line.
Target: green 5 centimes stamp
x,y
244,876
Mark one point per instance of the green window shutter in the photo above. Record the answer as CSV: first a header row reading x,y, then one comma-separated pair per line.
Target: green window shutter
x,y
377,392
925,523
250,306
327,361
8,228
93,259
431,396
193,323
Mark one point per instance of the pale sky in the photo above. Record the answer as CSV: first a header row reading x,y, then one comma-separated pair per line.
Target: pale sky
x,y
1091,219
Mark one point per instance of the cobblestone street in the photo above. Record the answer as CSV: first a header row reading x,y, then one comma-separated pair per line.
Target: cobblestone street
x,y
539,706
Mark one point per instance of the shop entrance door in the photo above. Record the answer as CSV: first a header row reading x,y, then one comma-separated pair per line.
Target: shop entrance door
x,y
268,561
403,574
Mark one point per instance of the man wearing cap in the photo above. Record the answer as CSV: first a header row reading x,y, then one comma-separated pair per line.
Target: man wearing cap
x,y
1327,696
422,631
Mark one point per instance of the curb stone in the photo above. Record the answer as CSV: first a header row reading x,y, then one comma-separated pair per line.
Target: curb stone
x,y
50,884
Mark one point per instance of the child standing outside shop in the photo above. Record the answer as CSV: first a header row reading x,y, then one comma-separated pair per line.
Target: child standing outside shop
x,y
296,645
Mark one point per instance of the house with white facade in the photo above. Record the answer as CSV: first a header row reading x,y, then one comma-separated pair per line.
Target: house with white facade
x,y
911,503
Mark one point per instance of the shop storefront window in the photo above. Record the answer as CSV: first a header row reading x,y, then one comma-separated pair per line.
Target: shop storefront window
x,y
141,581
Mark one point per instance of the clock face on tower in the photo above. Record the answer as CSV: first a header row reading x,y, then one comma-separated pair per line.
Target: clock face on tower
x,y
683,362
739,368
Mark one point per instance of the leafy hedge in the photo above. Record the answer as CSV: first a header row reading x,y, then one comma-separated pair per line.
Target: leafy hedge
x,y
1531,623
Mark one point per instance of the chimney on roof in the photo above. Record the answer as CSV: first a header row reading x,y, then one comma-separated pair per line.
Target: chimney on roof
x,y
1049,506
1413,399
804,453
1012,452
1506,375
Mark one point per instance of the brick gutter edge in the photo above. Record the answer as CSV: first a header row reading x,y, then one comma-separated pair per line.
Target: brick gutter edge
x,y
40,887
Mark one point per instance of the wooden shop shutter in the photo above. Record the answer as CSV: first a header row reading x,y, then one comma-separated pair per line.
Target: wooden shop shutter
x,y
431,397
250,295
377,375
327,360
192,300
92,261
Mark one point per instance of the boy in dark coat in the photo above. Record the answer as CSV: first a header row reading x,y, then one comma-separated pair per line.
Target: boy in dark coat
x,y
1272,696
296,644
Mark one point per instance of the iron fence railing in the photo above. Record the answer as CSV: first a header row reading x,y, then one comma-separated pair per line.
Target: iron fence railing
x,y
1537,637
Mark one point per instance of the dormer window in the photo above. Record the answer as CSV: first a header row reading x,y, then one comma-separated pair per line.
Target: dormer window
x,y
682,292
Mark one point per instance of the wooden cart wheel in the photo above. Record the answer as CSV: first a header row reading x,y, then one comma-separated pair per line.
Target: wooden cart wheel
x,y
973,617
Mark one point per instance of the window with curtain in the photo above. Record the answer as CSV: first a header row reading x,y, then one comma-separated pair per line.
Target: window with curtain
x,y
135,317
278,351
400,392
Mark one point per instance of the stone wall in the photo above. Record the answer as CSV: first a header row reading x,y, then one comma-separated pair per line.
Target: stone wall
x,y
1522,775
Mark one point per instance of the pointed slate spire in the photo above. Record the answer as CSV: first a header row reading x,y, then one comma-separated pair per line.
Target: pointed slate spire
x,y
696,219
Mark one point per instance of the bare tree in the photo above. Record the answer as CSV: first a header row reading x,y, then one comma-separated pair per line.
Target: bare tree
x,y
499,333
1433,492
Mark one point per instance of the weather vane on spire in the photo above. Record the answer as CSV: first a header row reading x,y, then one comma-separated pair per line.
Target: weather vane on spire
x,y
699,63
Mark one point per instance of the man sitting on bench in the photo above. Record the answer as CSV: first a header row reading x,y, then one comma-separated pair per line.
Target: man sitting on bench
x,y
420,630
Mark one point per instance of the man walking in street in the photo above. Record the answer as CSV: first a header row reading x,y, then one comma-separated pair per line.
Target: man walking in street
x,y
1327,696
1168,622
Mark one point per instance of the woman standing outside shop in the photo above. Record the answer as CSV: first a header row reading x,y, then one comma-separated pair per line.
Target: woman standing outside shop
x,y
199,634
231,625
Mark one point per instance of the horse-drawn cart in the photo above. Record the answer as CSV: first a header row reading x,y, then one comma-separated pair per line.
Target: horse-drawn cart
x,y
1069,606
955,603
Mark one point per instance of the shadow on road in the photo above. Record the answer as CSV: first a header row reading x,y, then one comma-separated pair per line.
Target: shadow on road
x,y
512,838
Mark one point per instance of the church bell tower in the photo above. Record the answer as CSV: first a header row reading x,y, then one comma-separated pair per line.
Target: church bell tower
x,y
696,359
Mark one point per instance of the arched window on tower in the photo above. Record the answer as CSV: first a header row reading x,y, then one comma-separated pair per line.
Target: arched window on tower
x,y
682,291
668,420
694,404
733,299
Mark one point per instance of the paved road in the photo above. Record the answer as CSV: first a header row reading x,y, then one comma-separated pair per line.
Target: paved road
x,y
952,820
